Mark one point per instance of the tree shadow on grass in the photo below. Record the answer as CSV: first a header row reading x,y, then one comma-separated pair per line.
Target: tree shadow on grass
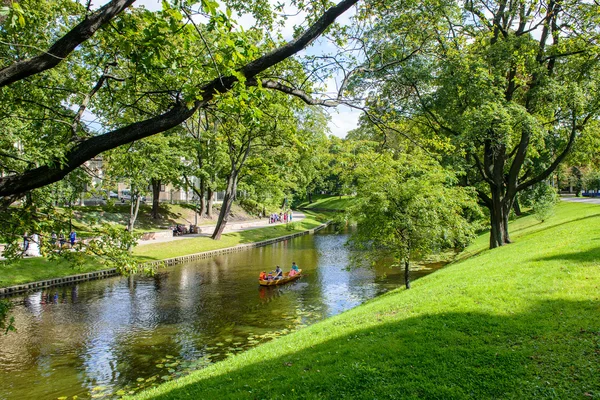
x,y
589,257
549,225
550,351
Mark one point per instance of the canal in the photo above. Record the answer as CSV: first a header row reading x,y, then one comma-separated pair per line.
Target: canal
x,y
106,338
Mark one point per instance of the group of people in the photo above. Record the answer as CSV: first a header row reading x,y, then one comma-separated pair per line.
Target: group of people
x,y
281,217
31,244
179,230
278,273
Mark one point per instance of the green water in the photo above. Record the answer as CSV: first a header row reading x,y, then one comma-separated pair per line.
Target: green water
x,y
104,338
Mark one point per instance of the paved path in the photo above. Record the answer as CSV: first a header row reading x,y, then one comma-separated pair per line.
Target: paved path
x,y
207,230
588,200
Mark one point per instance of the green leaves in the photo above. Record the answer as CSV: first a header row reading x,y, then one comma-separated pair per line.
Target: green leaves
x,y
409,206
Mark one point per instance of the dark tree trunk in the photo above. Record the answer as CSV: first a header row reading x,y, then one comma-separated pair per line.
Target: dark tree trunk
x,y
202,197
517,207
209,206
155,197
499,213
407,273
309,194
226,206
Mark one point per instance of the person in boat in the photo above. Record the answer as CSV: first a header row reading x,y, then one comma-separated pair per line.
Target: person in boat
x,y
278,273
295,270
295,267
262,276
270,276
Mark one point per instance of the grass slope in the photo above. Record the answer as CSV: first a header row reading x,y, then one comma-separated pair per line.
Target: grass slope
x,y
170,214
520,321
326,202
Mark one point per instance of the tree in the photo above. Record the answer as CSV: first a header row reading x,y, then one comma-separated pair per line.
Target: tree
x,y
250,121
408,206
202,140
511,85
151,51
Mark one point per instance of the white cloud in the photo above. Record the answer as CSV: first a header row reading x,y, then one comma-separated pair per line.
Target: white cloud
x,y
343,120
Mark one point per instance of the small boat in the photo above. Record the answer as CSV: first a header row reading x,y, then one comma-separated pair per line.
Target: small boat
x,y
286,278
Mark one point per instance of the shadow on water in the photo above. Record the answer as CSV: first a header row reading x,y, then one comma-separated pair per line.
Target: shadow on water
x,y
443,356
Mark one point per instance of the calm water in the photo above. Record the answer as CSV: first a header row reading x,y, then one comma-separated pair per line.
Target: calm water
x,y
114,336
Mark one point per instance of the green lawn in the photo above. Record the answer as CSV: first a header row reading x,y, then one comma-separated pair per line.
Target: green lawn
x,y
518,322
326,202
39,269
176,248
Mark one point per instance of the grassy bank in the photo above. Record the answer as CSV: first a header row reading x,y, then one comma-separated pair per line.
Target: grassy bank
x,y
521,321
88,217
36,269
326,202
39,269
176,248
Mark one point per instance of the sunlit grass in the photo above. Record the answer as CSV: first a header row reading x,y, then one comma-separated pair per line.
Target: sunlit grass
x,y
39,269
325,202
520,322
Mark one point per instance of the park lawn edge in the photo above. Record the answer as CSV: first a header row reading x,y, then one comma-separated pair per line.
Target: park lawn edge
x,y
519,321
37,269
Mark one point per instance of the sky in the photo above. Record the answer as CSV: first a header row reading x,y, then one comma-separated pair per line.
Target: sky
x,y
342,118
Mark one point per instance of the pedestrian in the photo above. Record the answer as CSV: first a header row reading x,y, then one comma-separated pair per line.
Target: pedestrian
x,y
53,238
72,238
61,240
25,241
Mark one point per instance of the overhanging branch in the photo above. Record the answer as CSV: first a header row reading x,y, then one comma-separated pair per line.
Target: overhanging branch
x,y
56,170
63,46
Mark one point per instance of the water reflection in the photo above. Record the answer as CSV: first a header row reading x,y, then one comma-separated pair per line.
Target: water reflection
x,y
127,333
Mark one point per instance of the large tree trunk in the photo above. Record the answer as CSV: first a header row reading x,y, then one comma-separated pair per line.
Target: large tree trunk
x,y
226,206
499,213
155,197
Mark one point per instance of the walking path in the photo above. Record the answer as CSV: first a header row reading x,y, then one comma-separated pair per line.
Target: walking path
x,y
207,230
588,200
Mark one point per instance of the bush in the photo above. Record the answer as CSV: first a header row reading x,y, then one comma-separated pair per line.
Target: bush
x,y
541,198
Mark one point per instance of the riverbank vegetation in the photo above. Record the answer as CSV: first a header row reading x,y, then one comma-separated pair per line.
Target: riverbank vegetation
x,y
519,321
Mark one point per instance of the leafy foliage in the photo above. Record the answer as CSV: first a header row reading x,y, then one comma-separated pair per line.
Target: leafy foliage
x,y
409,206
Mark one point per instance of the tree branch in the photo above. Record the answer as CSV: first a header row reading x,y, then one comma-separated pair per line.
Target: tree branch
x,y
546,173
63,46
45,175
